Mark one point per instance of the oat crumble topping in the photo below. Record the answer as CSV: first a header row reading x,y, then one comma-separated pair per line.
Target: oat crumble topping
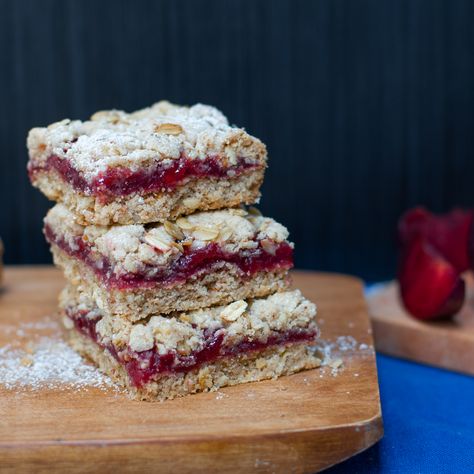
x,y
130,248
185,332
158,134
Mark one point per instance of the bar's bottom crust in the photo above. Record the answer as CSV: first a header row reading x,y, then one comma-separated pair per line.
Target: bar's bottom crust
x,y
251,367
202,194
220,286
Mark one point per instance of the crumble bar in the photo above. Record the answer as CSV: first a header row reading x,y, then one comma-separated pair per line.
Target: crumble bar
x,y
181,353
151,165
201,260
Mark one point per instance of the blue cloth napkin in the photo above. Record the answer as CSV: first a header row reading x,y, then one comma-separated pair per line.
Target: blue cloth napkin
x,y
428,418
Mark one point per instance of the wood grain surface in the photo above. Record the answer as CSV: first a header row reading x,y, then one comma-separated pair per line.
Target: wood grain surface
x,y
446,344
302,423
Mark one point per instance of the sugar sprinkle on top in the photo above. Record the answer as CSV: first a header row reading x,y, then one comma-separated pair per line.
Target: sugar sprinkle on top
x,y
160,133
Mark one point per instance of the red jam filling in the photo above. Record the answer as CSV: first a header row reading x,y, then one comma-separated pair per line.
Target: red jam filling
x,y
148,365
191,262
121,181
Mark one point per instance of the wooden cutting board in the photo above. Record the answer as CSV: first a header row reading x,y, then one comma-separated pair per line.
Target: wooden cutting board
x,y
302,423
445,344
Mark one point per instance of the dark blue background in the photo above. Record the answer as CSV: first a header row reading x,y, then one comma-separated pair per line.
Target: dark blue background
x,y
367,106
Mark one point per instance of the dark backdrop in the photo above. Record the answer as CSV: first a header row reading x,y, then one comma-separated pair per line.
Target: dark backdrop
x,y
367,107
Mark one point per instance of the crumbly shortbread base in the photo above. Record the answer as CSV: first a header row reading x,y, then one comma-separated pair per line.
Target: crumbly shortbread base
x,y
197,195
221,286
251,367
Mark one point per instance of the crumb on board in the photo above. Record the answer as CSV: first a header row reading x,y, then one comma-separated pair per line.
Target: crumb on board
x,y
37,357
335,354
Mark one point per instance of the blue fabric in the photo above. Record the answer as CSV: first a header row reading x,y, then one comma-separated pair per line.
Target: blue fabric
x,y
428,418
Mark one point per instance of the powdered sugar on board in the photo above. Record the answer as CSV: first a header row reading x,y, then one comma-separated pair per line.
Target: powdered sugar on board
x,y
37,357
336,354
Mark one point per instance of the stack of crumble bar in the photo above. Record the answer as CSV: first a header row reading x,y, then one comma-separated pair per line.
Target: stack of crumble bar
x,y
174,286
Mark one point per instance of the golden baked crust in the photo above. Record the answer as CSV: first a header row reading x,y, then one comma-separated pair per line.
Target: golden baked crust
x,y
196,195
250,367
220,285
258,339
151,140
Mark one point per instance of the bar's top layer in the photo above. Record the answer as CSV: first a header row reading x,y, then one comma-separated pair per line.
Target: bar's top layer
x,y
129,247
252,320
160,133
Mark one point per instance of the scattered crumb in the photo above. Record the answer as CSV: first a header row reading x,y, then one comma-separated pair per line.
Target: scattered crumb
x,y
53,365
39,358
346,343
335,363
26,361
29,348
335,355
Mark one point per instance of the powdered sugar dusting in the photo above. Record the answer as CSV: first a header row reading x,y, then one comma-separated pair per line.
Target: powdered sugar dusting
x,y
53,364
159,133
37,358
334,355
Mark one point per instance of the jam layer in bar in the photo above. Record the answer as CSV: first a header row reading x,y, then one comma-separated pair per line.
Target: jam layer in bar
x,y
173,355
147,166
201,260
